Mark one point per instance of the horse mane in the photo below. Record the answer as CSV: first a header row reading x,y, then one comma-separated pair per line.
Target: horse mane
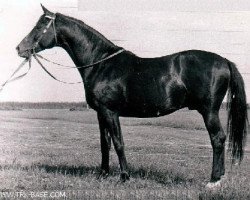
x,y
91,32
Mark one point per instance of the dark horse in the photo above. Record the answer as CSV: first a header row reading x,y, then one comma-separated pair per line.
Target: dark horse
x,y
123,84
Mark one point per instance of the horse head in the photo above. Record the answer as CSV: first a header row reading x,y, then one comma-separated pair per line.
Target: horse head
x,y
42,36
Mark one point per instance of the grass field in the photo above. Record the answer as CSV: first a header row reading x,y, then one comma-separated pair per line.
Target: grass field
x,y
55,154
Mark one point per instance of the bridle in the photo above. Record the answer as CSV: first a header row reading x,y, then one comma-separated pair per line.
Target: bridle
x,y
35,55
52,22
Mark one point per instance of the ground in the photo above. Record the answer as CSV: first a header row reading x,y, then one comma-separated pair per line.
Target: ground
x,y
55,154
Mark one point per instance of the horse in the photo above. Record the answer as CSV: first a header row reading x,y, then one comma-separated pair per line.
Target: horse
x,y
119,83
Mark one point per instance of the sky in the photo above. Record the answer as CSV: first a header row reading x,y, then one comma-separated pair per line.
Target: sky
x,y
148,28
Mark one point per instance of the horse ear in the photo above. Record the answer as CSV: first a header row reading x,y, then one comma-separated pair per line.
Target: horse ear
x,y
45,10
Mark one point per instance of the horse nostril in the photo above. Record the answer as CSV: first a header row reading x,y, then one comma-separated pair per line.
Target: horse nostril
x,y
18,48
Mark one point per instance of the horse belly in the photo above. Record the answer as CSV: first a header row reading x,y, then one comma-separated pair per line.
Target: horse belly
x,y
155,98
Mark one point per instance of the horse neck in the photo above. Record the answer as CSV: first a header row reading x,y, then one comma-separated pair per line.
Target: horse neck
x,y
83,44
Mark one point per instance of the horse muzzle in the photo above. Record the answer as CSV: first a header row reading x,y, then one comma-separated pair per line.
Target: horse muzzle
x,y
23,53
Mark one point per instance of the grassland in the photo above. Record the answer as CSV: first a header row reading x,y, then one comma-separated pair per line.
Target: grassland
x,y
58,151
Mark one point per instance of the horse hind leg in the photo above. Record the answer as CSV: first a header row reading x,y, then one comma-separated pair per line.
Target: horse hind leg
x,y
217,137
210,111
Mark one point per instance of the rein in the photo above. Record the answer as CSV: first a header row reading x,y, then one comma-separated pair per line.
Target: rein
x,y
51,75
11,79
81,67
35,55
70,67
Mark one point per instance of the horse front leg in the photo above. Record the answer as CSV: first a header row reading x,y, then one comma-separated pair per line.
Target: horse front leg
x,y
113,123
105,146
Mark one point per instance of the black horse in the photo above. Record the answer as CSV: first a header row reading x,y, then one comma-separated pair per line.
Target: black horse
x,y
119,83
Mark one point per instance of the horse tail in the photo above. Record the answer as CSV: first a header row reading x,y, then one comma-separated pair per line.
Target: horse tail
x,y
237,114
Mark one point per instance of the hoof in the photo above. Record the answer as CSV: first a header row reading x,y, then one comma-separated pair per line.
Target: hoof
x,y
103,174
124,177
213,185
217,184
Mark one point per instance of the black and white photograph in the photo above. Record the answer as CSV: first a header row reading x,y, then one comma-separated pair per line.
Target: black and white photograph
x,y
145,99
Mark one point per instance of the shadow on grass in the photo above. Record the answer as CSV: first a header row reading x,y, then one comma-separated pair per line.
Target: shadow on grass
x,y
162,177
209,196
226,192
185,126
69,170
165,177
